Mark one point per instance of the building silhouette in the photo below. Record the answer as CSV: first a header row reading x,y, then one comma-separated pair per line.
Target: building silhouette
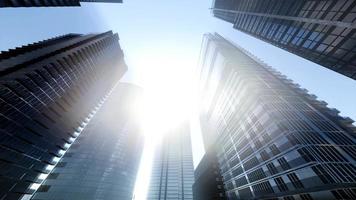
x,y
208,184
320,31
103,161
273,139
172,173
48,92
49,3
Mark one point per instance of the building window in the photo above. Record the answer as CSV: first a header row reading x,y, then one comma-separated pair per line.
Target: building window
x,y
263,188
306,197
256,175
295,180
339,138
246,153
241,181
284,164
322,174
306,155
344,194
274,149
271,168
237,171
289,198
251,163
281,184
234,161
264,155
245,193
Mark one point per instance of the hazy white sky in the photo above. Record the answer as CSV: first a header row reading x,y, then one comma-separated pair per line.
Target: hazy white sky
x,y
161,41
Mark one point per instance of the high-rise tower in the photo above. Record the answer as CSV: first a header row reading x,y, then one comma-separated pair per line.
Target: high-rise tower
x,y
273,139
49,3
48,91
102,162
208,184
321,31
173,174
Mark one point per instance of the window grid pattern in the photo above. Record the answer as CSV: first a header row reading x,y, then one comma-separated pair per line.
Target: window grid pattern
x,y
273,135
103,161
41,96
326,43
172,175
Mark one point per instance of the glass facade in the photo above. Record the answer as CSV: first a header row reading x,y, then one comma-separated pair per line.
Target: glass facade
x,y
320,31
103,161
49,3
273,139
173,174
48,91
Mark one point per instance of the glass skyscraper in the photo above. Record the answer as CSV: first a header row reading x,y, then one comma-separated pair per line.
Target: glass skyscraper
x,y
321,31
48,91
173,174
102,162
49,3
273,139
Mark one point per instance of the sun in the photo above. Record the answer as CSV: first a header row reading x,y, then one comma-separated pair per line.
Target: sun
x,y
168,92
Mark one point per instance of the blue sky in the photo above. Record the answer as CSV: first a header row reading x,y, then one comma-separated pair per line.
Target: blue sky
x,y
162,29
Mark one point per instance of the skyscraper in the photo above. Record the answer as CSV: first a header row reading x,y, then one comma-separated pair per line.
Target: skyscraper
x,y
273,139
320,31
102,162
208,184
48,91
173,174
49,3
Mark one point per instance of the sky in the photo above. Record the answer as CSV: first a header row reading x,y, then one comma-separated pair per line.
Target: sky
x,y
161,41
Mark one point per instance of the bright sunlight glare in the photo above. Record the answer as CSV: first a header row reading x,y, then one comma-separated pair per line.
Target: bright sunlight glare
x,y
168,92
167,79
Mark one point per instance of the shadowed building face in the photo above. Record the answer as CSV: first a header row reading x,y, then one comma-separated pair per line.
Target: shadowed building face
x,y
208,184
321,31
48,92
49,3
